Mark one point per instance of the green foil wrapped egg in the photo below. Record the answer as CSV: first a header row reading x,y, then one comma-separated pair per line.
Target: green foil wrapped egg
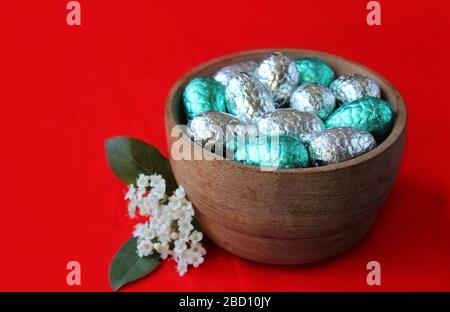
x,y
271,151
203,94
370,114
313,70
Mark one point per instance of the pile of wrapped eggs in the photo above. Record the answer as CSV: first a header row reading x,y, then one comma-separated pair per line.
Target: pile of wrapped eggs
x,y
317,119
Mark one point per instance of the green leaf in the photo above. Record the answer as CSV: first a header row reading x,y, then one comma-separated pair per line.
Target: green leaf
x,y
128,157
127,266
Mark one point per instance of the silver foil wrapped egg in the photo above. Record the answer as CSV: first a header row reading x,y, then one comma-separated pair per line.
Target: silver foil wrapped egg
x,y
313,98
280,75
290,122
349,88
213,129
226,73
339,144
247,98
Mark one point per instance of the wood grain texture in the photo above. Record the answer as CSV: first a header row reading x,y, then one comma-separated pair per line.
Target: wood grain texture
x,y
288,216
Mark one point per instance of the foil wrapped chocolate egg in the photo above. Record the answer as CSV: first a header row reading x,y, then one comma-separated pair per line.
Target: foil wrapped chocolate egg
x,y
339,144
290,122
203,94
247,98
272,152
313,70
370,114
280,75
225,74
214,128
313,98
349,88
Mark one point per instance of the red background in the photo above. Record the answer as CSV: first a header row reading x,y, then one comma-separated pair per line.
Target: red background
x,y
65,89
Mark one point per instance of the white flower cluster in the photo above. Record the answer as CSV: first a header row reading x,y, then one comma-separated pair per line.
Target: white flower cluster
x,y
169,230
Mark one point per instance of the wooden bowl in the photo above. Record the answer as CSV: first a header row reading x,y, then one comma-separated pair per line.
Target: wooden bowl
x,y
288,216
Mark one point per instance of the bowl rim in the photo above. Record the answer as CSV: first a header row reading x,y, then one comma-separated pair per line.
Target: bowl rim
x,y
397,131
